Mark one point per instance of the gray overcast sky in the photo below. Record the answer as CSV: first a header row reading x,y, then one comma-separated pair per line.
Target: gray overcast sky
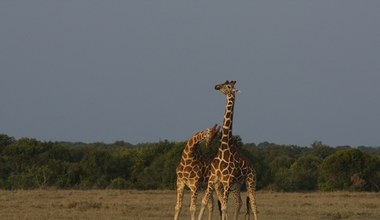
x,y
143,71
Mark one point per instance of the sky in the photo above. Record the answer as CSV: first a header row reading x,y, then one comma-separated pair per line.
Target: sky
x,y
144,71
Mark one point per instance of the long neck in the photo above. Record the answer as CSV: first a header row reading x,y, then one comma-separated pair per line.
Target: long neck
x,y
226,140
192,143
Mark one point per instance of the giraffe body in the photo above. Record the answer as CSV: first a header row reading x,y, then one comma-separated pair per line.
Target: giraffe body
x,y
229,170
193,170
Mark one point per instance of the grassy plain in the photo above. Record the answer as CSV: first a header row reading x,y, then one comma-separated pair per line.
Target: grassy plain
x,y
152,205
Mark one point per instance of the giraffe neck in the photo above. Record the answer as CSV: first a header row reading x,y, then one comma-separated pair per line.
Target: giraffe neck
x,y
226,140
192,144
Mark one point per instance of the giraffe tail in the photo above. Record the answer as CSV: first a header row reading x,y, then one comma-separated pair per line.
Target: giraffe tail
x,y
220,208
248,208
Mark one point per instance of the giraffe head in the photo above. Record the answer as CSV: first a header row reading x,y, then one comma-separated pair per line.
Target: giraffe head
x,y
211,133
227,88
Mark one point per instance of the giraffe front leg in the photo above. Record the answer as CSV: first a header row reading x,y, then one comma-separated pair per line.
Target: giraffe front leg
x,y
224,202
205,200
193,202
178,206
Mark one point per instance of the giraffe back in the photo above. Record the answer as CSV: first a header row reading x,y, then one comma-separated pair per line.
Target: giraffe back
x,y
194,167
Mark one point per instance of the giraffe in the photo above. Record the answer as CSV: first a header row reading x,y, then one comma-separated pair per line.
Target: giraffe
x,y
229,170
193,170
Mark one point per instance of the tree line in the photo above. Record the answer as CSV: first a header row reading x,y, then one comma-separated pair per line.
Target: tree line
x,y
27,163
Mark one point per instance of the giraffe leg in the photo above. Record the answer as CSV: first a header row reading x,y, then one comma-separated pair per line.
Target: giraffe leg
x,y
210,207
235,193
178,206
224,208
224,202
205,200
251,190
247,215
219,194
193,200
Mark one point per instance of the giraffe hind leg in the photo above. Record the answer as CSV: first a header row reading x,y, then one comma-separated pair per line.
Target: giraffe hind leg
x,y
210,207
251,190
205,200
219,195
235,193
247,215
226,191
252,201
178,206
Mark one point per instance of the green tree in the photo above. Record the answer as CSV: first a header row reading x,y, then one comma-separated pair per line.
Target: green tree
x,y
280,162
24,180
349,169
257,157
74,172
319,150
171,161
304,173
95,165
5,171
283,180
119,183
5,140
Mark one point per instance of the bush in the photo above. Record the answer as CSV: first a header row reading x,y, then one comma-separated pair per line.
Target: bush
x,y
349,169
304,173
119,183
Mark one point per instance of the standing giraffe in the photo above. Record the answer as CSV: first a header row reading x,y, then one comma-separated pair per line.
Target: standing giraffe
x,y
193,170
229,170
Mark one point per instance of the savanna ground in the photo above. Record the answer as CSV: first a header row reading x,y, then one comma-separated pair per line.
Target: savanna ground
x,y
130,204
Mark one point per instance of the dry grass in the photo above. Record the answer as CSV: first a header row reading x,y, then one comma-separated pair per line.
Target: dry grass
x,y
129,204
